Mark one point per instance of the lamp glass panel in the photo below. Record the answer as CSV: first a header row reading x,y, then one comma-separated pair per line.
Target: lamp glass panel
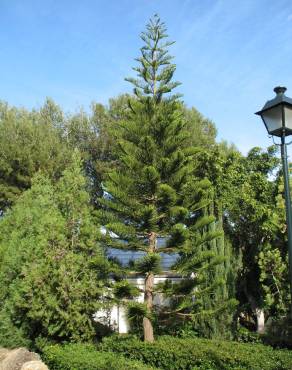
x,y
273,118
288,117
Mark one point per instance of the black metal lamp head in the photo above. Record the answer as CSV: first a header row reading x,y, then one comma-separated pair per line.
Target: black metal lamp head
x,y
277,114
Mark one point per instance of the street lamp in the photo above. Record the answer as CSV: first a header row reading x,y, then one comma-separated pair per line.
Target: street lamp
x,y
277,117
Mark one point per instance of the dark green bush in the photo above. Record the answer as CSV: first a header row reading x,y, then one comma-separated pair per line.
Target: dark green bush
x,y
86,357
279,333
180,354
244,335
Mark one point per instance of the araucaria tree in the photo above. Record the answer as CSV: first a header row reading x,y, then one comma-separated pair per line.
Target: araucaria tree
x,y
145,195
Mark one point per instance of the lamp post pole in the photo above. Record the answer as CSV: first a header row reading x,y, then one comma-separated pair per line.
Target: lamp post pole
x,y
277,117
288,210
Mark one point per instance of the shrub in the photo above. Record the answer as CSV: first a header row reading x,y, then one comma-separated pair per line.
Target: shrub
x,y
244,335
86,357
11,336
279,333
186,354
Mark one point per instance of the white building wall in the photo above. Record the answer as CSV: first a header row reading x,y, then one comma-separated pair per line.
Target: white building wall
x,y
116,317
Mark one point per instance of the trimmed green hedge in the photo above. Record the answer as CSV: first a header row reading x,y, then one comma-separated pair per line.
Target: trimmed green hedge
x,y
86,357
194,354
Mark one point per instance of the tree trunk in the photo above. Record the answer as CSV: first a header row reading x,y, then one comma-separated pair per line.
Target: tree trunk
x,y
148,297
260,314
148,293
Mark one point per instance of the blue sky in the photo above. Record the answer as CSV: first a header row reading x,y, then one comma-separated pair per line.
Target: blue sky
x,y
229,54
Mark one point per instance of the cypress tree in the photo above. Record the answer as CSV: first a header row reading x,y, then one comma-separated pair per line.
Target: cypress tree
x,y
201,296
52,270
148,195
218,306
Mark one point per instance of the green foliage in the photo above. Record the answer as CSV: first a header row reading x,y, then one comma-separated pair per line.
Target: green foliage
x,y
155,70
173,353
244,335
11,336
90,133
273,267
258,228
178,328
143,187
86,357
248,199
149,263
124,290
279,332
29,142
135,313
199,298
203,131
52,270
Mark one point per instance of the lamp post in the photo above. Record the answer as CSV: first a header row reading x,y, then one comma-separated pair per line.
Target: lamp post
x,y
277,117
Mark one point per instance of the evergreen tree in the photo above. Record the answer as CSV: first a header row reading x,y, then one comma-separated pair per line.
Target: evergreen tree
x,y
29,142
216,316
146,195
200,299
221,164
52,270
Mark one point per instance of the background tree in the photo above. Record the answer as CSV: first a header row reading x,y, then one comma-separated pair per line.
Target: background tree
x,y
29,142
257,230
202,131
248,201
90,133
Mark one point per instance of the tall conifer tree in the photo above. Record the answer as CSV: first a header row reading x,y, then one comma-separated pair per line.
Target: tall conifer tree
x,y
145,196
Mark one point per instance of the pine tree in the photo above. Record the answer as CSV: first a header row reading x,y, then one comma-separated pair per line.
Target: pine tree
x,y
145,196
30,142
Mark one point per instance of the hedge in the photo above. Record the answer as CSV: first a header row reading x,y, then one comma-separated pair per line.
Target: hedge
x,y
86,357
186,354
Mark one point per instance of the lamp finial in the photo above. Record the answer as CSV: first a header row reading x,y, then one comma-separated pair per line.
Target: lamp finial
x,y
280,90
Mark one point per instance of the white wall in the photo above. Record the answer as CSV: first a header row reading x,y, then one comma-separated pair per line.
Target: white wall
x,y
116,317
